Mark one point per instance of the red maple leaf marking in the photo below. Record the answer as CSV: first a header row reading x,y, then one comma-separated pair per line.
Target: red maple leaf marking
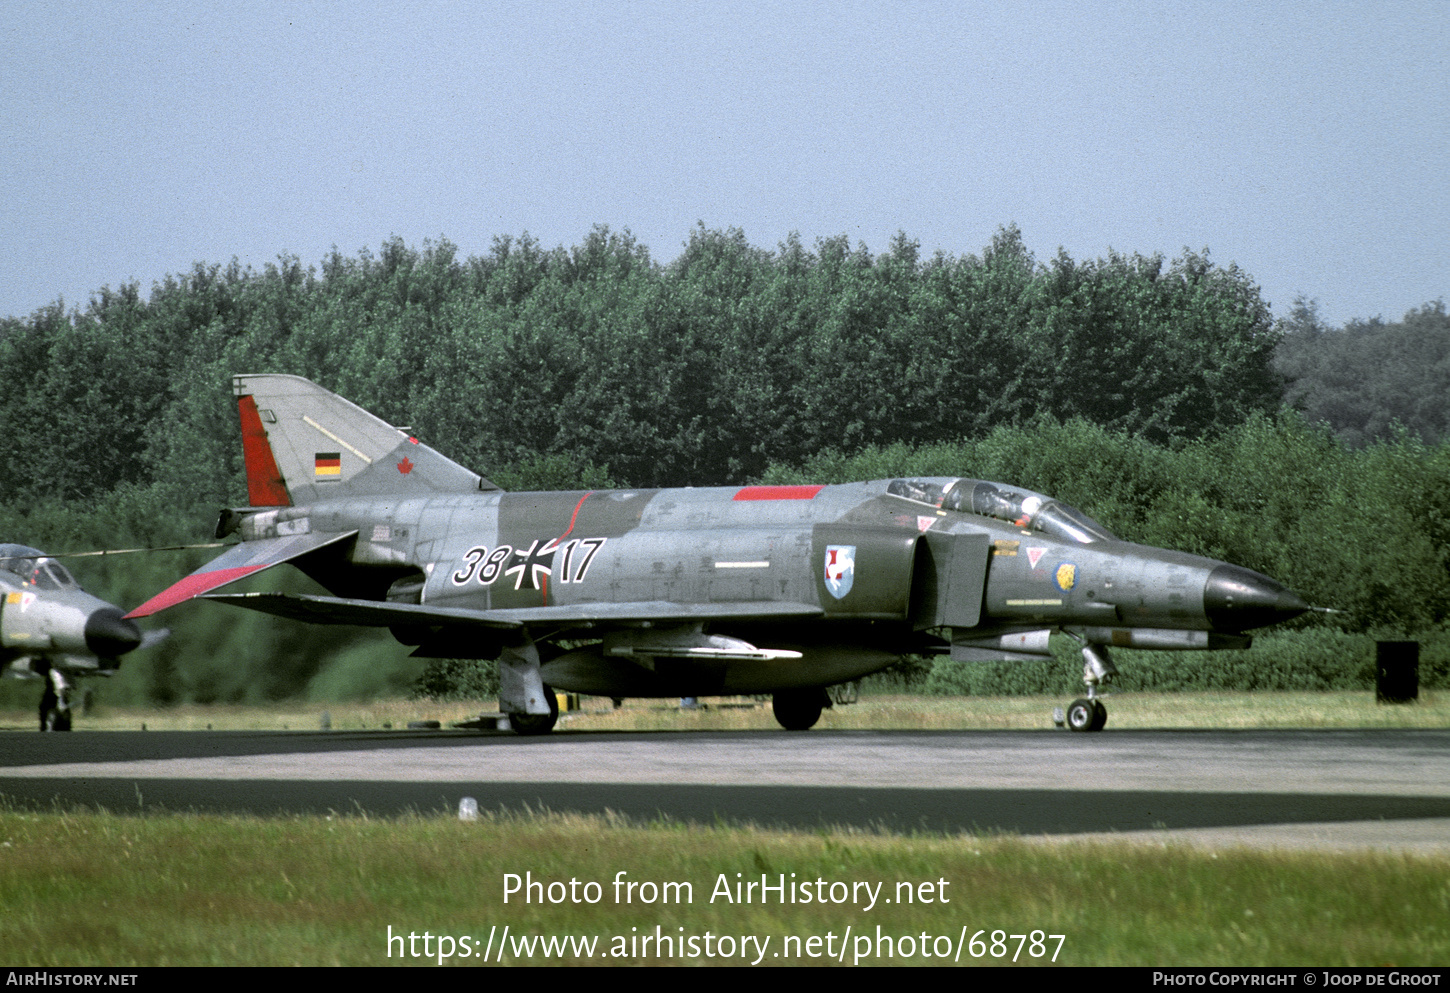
x,y
405,466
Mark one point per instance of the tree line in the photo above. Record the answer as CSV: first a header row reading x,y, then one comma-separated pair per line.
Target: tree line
x,y
703,371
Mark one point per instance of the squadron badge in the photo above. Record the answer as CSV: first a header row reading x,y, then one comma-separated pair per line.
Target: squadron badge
x,y
840,569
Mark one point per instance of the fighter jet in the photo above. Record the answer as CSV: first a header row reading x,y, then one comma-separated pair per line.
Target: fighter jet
x,y
782,590
52,629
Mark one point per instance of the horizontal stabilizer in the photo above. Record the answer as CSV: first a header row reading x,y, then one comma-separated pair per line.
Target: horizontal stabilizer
x,y
238,562
379,613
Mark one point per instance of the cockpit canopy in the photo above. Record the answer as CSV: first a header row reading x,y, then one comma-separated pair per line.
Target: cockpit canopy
x,y
1021,508
33,567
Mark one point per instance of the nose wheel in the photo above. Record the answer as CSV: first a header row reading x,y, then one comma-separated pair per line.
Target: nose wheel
x,y
1086,715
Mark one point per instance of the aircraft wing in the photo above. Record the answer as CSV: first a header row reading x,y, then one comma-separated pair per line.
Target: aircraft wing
x,y
375,613
236,563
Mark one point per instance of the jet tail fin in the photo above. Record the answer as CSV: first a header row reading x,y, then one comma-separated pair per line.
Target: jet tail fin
x,y
303,443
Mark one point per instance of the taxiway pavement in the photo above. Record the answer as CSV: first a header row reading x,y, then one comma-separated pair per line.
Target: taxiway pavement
x,y
1366,788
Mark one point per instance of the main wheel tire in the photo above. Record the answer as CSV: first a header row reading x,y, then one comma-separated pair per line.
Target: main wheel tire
x,y
1100,716
537,723
798,710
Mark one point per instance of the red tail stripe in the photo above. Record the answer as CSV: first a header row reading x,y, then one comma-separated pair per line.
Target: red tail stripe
x,y
265,487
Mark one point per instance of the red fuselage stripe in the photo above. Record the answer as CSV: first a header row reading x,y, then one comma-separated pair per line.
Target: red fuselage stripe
x,y
778,492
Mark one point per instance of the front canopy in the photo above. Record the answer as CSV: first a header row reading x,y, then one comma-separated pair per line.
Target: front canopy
x,y
1022,508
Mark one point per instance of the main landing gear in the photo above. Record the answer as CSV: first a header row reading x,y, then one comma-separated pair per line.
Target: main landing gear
x,y
55,702
1097,669
798,710
537,723
530,704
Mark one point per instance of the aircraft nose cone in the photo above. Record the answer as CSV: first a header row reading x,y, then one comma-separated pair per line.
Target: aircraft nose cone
x,y
108,634
1237,599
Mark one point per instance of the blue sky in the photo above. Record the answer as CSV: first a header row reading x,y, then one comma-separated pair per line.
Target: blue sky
x,y
1308,143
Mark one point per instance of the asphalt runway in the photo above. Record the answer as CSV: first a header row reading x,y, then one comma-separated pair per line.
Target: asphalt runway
x,y
1373,788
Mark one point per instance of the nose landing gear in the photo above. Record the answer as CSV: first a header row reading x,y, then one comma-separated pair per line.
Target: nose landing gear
x,y
1097,670
1086,715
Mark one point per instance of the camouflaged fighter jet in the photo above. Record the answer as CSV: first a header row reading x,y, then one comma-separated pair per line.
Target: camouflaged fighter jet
x,y
52,629
784,590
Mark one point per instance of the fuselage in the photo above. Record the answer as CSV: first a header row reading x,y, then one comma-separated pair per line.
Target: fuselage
x,y
894,566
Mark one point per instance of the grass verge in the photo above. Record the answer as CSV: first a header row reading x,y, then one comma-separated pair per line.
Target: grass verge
x,y
878,712
85,888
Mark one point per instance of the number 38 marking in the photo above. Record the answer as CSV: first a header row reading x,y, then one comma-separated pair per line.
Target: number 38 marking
x,y
485,566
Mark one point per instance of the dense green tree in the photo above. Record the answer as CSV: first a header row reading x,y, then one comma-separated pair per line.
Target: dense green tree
x,y
1368,377
702,371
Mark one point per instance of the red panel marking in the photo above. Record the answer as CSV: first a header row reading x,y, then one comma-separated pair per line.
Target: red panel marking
x,y
778,492
196,583
265,486
561,537
575,515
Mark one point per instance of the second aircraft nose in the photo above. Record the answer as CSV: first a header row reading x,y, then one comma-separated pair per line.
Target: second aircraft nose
x,y
108,634
1238,599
